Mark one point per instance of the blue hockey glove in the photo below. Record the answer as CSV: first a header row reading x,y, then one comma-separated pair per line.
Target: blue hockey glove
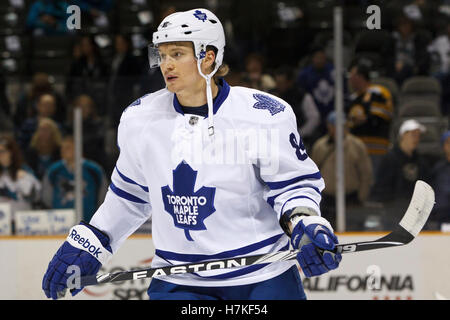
x,y
314,236
86,248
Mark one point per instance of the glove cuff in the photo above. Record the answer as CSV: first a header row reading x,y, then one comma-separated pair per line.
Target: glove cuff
x,y
102,236
308,220
87,238
293,216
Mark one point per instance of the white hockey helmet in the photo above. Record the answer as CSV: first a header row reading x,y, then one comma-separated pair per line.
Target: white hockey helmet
x,y
199,26
202,28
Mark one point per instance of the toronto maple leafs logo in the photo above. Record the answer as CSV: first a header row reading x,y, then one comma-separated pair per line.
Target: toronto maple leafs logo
x,y
266,102
188,208
200,15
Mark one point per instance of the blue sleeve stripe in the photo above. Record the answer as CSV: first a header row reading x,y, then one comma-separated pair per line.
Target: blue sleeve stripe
x,y
283,184
125,195
271,200
168,255
126,179
299,197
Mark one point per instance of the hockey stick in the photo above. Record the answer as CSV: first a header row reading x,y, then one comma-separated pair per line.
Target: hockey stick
x,y
416,215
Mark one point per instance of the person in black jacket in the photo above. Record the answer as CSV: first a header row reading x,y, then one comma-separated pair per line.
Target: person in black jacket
x,y
87,70
402,166
407,53
125,72
398,172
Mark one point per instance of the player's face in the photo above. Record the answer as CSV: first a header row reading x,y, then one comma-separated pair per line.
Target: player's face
x,y
179,67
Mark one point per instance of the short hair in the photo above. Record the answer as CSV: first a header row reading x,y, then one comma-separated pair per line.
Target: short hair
x,y
363,67
316,48
285,70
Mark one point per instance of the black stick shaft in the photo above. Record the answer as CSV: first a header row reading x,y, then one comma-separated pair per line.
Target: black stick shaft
x,y
392,239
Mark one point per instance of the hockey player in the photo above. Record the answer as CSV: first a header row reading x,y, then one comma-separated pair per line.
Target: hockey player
x,y
176,165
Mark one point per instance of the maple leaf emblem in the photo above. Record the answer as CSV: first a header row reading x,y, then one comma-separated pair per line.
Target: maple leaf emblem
x,y
188,209
266,102
200,15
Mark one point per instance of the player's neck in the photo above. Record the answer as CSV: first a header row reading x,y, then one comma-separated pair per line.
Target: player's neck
x,y
196,97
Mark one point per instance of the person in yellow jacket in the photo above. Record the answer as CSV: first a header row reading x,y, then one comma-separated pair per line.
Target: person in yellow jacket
x,y
369,112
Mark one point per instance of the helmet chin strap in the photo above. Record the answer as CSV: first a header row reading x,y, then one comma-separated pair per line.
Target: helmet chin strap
x,y
209,97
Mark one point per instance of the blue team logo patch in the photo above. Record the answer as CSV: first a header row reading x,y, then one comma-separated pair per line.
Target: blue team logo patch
x,y
200,15
266,102
188,208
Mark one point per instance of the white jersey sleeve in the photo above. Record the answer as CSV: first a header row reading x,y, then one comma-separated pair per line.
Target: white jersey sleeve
x,y
292,178
126,206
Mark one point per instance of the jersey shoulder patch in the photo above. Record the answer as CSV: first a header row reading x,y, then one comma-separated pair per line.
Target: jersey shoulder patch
x,y
266,102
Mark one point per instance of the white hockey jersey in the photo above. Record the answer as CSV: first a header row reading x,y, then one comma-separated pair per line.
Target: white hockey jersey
x,y
210,197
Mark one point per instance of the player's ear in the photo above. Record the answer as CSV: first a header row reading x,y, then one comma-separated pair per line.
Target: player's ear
x,y
208,62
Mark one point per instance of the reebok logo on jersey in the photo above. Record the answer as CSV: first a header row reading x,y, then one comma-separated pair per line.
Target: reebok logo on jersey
x,y
188,208
84,242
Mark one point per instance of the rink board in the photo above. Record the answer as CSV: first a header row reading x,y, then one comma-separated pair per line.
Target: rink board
x,y
420,270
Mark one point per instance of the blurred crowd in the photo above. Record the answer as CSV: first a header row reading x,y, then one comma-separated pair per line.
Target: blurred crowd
x,y
396,89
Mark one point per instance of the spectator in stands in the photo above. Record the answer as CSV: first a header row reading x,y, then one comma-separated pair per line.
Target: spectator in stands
x,y
305,109
401,167
87,69
407,53
26,105
44,147
255,75
358,169
252,30
94,12
46,108
369,112
6,124
93,129
125,71
439,50
48,17
17,186
441,184
317,79
5,107
59,182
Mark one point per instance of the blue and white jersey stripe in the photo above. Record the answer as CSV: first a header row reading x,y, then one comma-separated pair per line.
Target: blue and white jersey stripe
x,y
126,188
